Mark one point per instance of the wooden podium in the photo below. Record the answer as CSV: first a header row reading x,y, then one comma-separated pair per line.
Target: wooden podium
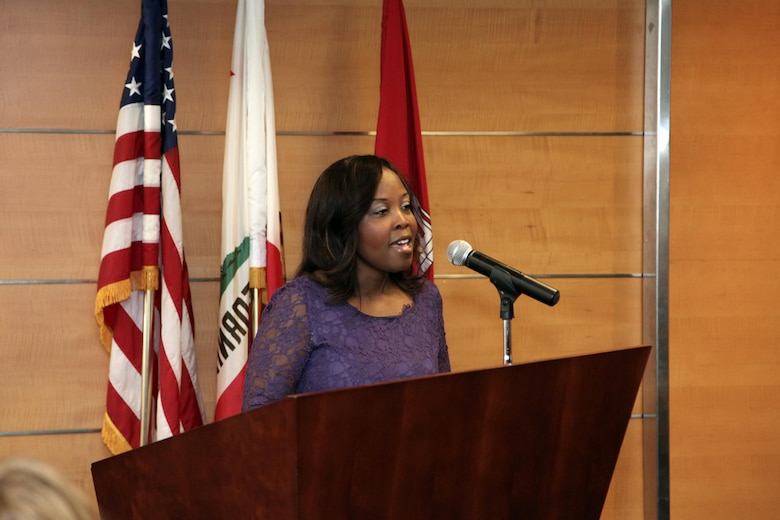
x,y
530,441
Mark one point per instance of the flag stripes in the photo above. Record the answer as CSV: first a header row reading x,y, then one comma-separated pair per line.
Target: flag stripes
x,y
143,250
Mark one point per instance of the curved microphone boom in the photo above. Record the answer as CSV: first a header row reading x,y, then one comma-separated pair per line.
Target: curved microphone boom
x,y
460,253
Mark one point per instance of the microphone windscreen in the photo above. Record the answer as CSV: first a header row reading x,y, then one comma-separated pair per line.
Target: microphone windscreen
x,y
458,251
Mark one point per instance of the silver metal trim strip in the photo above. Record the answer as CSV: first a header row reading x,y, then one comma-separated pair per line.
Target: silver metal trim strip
x,y
295,133
49,432
436,277
655,396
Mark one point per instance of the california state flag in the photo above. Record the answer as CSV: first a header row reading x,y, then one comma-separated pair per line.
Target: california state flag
x,y
251,227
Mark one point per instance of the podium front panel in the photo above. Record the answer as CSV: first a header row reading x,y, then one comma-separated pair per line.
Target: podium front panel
x,y
536,440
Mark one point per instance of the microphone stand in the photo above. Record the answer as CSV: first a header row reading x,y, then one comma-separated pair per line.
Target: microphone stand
x,y
508,293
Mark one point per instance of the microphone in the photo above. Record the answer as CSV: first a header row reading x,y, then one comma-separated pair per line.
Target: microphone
x,y
460,252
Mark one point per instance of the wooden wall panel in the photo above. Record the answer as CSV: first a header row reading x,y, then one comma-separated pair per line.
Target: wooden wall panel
x,y
57,341
54,373
593,315
76,56
55,193
72,454
480,66
548,204
55,369
60,62
625,496
495,79
724,249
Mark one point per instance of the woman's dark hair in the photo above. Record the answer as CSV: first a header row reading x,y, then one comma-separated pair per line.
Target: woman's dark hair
x,y
340,198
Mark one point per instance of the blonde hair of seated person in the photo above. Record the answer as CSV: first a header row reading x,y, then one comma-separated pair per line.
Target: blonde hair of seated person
x,y
33,490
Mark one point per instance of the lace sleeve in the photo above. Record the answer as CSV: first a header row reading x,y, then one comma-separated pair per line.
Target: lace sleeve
x,y
280,350
444,353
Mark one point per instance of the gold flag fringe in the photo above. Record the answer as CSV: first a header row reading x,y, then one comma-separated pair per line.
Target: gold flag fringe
x,y
114,441
109,295
146,278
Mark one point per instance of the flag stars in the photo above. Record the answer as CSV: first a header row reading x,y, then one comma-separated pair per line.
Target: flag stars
x,y
166,42
136,52
134,87
167,93
169,70
173,124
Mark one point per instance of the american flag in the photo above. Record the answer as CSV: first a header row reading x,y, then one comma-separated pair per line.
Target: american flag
x,y
142,250
398,133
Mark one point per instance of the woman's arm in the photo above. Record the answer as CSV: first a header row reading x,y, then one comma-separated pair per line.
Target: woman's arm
x,y
444,354
280,350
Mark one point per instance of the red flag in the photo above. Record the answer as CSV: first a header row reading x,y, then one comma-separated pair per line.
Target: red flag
x,y
142,250
398,134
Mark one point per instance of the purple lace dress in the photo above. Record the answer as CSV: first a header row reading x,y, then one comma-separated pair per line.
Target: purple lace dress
x,y
308,345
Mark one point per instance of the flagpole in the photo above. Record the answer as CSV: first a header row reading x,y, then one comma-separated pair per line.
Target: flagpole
x,y
255,314
146,380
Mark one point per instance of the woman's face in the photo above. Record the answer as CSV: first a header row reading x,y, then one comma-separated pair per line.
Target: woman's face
x,y
387,231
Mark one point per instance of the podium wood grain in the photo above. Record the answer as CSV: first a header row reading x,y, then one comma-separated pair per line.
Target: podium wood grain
x,y
537,440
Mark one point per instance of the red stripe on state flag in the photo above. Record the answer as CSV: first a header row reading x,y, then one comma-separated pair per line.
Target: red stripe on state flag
x,y
275,268
230,399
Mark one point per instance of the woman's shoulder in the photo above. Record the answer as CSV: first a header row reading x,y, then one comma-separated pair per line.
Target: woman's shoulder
x,y
297,289
429,291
